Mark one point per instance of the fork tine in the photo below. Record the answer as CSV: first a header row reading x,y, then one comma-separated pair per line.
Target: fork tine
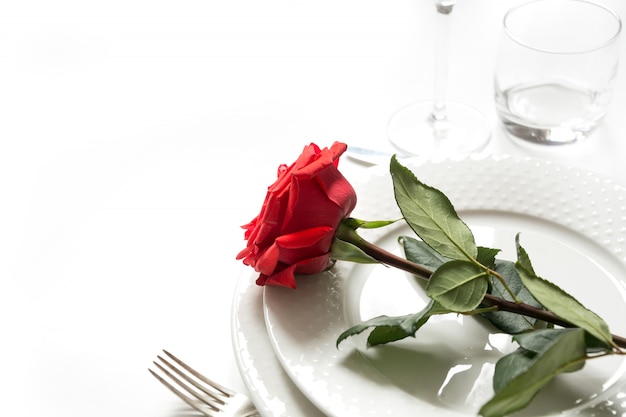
x,y
199,392
215,396
205,395
194,404
201,377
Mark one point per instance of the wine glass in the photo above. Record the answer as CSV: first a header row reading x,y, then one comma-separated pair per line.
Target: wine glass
x,y
439,127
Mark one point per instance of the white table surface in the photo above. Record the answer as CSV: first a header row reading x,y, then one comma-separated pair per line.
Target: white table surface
x,y
136,137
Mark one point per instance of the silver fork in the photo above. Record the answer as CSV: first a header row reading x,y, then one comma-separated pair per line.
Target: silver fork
x,y
206,396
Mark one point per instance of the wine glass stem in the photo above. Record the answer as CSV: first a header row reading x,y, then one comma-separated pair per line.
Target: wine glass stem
x,y
438,118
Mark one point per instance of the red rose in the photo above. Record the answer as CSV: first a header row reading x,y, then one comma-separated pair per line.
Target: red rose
x,y
299,218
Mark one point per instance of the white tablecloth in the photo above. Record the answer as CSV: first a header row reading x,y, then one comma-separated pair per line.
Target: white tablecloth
x,y
137,136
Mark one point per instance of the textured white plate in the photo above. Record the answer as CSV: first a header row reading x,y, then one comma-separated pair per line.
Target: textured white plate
x,y
573,225
271,389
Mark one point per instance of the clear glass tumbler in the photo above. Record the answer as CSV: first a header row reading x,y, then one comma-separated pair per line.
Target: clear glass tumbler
x,y
555,69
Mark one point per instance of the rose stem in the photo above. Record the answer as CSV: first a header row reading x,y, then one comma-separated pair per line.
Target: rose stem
x,y
388,258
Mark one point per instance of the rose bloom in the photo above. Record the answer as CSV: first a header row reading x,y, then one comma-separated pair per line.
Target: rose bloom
x,y
301,213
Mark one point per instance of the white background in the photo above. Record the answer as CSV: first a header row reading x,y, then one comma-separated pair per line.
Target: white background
x,y
137,136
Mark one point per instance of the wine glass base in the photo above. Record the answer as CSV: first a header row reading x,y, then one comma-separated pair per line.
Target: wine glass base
x,y
413,131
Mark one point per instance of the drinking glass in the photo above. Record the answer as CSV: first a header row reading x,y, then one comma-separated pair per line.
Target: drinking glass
x,y
555,70
439,127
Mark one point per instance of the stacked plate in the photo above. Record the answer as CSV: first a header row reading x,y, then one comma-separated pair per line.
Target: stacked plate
x,y
572,224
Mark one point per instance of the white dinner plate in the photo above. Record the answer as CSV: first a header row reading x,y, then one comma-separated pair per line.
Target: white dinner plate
x,y
572,224
270,388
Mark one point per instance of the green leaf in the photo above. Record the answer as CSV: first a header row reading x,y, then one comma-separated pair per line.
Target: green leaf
x,y
565,306
487,256
531,344
344,251
522,256
390,329
420,253
559,302
354,224
594,344
539,340
431,215
522,376
511,323
511,366
458,285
